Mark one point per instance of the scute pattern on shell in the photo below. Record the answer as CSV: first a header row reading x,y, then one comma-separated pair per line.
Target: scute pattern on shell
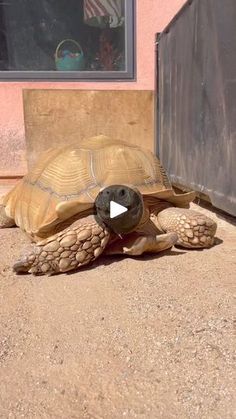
x,y
78,172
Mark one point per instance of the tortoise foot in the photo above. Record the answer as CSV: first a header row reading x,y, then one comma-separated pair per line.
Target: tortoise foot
x,y
73,247
136,245
195,230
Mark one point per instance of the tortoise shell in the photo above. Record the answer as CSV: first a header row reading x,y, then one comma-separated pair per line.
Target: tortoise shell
x,y
66,181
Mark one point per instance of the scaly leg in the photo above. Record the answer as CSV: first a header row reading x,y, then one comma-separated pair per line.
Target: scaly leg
x,y
5,221
135,244
195,230
77,245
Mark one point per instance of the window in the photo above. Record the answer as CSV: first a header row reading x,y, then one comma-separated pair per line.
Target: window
x,y
66,39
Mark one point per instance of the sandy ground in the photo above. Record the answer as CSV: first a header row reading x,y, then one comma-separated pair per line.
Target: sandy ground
x,y
152,337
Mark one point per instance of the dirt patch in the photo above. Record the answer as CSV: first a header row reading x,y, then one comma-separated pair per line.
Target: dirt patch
x,y
152,337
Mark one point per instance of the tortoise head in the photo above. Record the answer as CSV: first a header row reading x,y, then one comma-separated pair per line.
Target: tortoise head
x,y
127,197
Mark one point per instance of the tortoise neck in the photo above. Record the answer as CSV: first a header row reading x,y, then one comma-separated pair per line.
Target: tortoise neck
x,y
149,223
156,205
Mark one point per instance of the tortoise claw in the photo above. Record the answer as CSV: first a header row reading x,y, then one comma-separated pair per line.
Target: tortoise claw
x,y
22,265
25,262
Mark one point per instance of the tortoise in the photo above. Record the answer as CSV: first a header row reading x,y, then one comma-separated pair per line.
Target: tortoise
x,y
55,204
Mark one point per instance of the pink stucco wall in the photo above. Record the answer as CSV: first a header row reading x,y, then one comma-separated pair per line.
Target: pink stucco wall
x,y
152,17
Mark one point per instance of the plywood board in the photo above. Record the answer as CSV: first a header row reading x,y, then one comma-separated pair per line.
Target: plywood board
x,y
58,117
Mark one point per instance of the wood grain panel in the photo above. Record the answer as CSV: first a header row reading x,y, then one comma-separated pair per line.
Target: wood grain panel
x,y
58,117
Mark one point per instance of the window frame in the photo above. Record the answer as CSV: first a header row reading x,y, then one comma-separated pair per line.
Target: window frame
x,y
105,76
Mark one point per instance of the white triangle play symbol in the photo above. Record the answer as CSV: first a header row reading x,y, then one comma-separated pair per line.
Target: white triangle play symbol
x,y
116,209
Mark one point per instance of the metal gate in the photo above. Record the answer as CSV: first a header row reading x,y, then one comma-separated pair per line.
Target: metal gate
x,y
196,99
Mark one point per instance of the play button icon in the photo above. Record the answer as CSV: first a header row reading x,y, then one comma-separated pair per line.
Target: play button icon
x,y
116,209
119,207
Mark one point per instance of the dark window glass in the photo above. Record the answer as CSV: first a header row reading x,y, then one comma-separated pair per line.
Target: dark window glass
x,y
66,39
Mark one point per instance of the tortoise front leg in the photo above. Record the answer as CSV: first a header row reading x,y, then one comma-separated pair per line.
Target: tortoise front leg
x,y
77,245
135,245
194,229
5,221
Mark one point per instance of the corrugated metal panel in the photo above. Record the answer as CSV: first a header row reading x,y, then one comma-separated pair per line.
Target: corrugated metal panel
x,y
196,121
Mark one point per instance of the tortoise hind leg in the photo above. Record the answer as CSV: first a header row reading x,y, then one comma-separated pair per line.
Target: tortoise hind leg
x,y
5,221
75,246
194,229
